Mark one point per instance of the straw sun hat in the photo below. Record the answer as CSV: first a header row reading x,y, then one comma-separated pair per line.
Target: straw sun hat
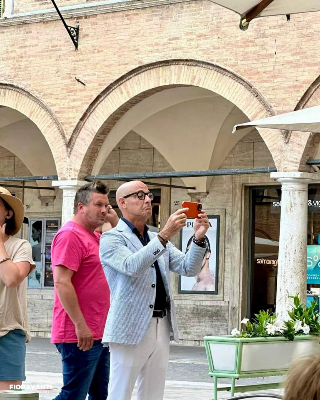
x,y
16,205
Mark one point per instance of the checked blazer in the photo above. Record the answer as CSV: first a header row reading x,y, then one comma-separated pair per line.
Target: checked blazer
x,y
128,267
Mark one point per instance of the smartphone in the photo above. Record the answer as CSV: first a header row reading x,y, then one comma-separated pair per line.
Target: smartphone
x,y
194,208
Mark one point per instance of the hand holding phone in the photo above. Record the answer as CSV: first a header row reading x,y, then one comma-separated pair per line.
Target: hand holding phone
x,y
194,208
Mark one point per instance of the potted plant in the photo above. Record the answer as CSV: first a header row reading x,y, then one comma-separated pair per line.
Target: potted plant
x,y
265,346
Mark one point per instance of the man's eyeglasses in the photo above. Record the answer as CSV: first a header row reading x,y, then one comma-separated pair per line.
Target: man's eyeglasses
x,y
141,195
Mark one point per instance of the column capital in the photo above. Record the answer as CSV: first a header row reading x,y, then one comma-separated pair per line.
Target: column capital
x,y
294,176
69,184
198,196
295,180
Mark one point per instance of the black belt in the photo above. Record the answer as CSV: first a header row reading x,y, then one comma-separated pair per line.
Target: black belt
x,y
159,313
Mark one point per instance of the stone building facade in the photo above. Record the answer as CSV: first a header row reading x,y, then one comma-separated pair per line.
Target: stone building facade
x,y
157,86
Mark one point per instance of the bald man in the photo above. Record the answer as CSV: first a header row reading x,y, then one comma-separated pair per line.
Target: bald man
x,y
141,319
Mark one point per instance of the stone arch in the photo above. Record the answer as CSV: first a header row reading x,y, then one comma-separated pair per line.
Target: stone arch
x,y
309,143
14,97
144,81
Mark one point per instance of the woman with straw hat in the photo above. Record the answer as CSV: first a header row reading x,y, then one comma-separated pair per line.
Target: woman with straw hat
x,y
15,265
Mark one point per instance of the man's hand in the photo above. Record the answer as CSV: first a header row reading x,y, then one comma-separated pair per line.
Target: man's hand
x,y
174,224
201,225
85,337
112,216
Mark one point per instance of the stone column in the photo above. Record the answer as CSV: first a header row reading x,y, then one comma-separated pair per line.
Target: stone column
x,y
292,262
69,189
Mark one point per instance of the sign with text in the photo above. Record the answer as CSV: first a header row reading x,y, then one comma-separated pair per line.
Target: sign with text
x,y
313,264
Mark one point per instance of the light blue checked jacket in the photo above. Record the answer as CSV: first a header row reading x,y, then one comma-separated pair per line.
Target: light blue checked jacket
x,y
127,267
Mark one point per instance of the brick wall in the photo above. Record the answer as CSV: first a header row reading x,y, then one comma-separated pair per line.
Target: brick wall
x,y
40,57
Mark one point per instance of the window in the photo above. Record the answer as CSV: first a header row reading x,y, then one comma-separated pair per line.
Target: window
x,y
41,234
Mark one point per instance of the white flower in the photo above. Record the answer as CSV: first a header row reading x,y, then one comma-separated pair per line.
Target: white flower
x,y
235,332
271,329
297,326
245,321
306,329
280,327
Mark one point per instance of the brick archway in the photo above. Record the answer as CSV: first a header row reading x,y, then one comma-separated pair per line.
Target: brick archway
x,y
308,143
19,99
144,81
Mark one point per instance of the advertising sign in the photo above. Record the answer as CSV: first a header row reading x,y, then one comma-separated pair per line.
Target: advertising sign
x,y
207,279
313,264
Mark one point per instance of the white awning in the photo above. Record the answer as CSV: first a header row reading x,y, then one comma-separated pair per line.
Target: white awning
x,y
276,7
305,120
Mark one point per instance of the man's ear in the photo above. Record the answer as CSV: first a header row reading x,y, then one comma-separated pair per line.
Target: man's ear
x,y
122,202
9,214
80,207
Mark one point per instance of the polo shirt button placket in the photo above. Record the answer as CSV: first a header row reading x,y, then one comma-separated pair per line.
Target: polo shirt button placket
x,y
151,306
153,285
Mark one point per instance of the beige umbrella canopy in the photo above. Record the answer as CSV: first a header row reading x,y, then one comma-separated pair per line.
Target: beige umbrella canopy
x,y
250,9
305,120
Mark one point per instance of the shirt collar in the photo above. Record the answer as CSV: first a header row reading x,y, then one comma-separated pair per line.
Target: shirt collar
x,y
133,228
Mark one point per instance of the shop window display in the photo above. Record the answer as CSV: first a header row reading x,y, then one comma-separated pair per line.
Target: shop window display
x,y
265,207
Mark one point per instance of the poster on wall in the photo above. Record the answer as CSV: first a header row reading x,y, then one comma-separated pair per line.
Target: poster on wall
x,y
206,281
35,239
313,264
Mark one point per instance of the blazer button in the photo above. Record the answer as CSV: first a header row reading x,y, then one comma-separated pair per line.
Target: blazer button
x,y
151,306
153,285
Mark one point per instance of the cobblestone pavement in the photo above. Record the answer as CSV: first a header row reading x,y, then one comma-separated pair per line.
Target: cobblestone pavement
x,y
187,373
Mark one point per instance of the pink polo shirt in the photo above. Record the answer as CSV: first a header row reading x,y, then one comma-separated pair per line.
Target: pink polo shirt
x,y
78,249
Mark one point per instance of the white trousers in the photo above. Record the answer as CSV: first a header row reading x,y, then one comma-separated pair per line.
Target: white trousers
x,y
145,362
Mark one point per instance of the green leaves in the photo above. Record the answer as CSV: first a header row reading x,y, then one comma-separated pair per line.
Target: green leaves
x,y
301,320
289,332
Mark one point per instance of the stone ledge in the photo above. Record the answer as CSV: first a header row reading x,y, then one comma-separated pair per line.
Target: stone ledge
x,y
41,334
84,10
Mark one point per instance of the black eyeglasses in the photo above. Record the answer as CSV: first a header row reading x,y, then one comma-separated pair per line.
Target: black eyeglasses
x,y
141,195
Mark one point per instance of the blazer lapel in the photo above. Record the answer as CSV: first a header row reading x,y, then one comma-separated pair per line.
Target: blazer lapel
x,y
129,235
133,239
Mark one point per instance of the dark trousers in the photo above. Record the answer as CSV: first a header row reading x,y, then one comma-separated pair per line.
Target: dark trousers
x,y
84,372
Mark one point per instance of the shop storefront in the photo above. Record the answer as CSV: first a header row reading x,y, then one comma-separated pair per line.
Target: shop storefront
x,y
265,207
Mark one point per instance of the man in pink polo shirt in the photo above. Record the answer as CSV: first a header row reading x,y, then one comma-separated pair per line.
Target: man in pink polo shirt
x,y
81,297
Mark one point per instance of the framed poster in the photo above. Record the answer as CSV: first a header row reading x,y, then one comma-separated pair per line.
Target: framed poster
x,y
206,282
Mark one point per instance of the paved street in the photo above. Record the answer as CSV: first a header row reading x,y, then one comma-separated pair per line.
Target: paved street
x,y
187,374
